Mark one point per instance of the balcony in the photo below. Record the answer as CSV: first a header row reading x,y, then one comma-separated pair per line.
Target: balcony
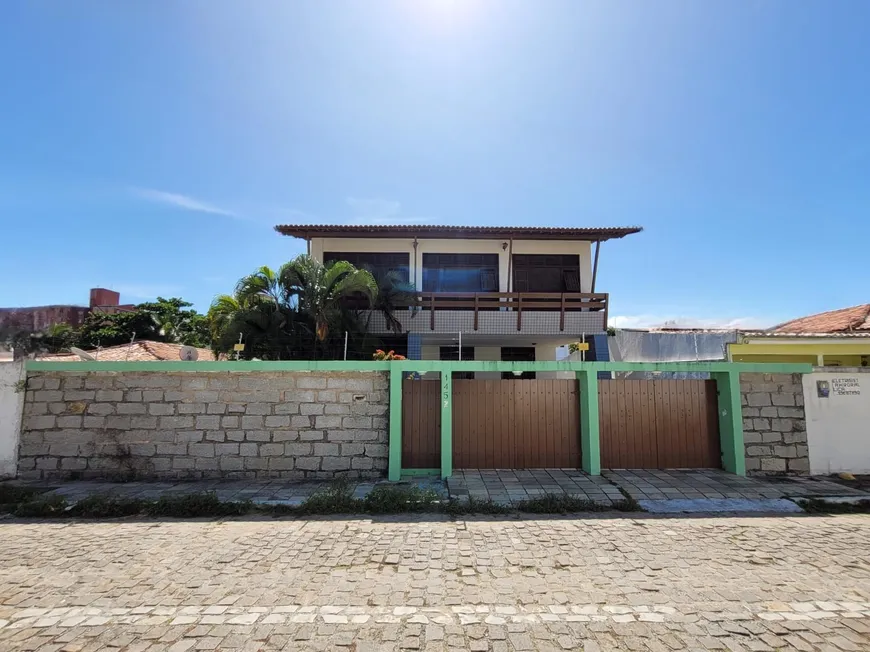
x,y
493,313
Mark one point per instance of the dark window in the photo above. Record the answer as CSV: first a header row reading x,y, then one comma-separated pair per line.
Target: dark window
x,y
460,272
546,272
379,264
572,280
452,353
518,354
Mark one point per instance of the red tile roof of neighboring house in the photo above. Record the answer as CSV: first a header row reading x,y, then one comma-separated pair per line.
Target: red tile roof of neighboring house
x,y
845,320
141,351
466,232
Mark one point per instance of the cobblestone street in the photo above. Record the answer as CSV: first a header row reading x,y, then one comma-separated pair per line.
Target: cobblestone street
x,y
428,583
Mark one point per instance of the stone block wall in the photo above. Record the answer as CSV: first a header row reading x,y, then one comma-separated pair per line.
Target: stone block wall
x,y
774,425
295,425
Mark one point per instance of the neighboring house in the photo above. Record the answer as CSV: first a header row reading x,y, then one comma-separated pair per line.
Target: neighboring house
x,y
140,351
38,318
513,293
838,338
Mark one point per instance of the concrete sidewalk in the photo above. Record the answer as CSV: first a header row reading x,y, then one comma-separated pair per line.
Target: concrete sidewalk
x,y
261,492
657,491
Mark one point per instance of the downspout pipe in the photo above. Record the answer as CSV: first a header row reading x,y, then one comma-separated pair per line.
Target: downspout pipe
x,y
510,279
414,266
595,264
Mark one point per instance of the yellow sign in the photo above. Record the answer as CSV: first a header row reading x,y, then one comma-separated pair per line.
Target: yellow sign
x,y
238,347
582,346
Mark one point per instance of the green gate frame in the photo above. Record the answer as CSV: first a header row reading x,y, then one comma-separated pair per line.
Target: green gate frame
x,y
726,375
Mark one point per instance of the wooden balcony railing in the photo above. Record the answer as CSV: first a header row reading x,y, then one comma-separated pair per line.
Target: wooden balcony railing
x,y
563,302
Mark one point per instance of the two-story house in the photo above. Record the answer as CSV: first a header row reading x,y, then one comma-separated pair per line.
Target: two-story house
x,y
482,293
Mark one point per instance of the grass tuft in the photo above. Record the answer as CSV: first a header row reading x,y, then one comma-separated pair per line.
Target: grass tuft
x,y
560,504
391,499
48,506
474,506
12,495
104,506
822,506
335,498
196,506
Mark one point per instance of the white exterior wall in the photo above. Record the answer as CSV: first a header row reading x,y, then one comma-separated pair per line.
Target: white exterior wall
x,y
547,352
11,407
582,248
838,427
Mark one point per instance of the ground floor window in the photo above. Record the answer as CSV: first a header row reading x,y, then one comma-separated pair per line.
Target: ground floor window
x,y
518,354
452,353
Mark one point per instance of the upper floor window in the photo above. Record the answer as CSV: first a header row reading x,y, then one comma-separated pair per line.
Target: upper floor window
x,y
546,273
379,264
460,272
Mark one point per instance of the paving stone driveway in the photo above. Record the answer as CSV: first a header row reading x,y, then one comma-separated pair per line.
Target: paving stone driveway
x,y
796,583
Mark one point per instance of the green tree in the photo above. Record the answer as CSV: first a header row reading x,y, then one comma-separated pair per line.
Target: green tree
x,y
302,310
164,320
177,322
105,330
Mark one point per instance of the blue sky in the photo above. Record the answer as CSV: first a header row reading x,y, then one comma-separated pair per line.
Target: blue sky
x,y
150,146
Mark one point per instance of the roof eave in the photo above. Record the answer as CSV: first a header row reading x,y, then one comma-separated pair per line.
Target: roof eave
x,y
306,232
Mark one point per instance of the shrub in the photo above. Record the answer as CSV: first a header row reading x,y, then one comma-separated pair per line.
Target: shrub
x,y
389,355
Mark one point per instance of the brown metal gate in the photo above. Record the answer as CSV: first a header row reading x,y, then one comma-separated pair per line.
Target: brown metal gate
x,y
516,424
658,424
421,424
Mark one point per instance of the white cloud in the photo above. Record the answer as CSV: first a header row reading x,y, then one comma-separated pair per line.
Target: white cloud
x,y
375,211
147,291
182,201
675,321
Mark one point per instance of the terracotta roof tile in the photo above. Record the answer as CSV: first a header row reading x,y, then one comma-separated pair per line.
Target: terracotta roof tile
x,y
856,318
141,351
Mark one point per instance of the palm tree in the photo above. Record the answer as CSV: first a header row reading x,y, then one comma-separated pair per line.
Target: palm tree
x,y
278,313
258,310
394,294
323,290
